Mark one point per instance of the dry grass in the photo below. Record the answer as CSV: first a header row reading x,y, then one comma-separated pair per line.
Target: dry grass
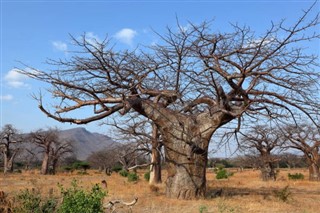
x,y
243,192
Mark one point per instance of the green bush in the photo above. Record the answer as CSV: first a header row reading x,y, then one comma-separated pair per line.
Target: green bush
x,y
82,173
132,177
223,174
67,168
76,199
81,165
117,168
124,173
49,206
147,176
296,176
30,201
203,209
283,194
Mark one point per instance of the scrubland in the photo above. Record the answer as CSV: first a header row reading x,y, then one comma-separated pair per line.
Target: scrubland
x,y
242,192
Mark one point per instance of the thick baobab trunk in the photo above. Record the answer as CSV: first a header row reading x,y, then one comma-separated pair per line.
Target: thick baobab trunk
x,y
8,161
313,159
268,172
186,157
314,172
6,166
45,164
54,166
267,166
186,175
5,163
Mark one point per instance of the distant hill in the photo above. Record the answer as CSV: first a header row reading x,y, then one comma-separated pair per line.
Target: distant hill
x,y
85,142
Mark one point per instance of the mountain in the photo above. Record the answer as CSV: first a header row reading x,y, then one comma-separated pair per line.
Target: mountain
x,y
85,142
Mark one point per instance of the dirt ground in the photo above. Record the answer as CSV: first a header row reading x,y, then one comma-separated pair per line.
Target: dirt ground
x,y
242,192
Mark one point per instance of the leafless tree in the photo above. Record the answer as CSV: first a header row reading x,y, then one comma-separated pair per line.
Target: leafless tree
x,y
264,140
51,146
28,157
104,159
59,150
247,161
189,85
291,160
305,138
130,157
9,146
146,137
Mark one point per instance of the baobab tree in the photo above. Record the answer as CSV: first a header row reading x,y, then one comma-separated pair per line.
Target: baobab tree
x,y
264,140
305,138
51,146
59,150
9,138
189,85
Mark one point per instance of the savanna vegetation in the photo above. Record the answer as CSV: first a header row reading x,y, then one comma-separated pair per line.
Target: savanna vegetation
x,y
194,88
244,191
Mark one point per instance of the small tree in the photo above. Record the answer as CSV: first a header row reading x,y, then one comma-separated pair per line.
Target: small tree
x,y
262,139
305,138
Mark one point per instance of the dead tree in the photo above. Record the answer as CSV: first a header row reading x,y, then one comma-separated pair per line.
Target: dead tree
x,y
9,140
305,138
264,140
189,85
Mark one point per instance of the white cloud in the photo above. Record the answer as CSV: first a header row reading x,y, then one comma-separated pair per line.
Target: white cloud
x,y
92,38
126,35
6,97
59,45
15,79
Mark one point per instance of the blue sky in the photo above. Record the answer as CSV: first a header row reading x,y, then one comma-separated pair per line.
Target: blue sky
x,y
32,31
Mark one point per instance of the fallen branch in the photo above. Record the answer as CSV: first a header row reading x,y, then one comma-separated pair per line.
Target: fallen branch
x,y
111,205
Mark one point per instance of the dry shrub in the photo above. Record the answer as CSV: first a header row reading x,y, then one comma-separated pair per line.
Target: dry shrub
x,y
5,203
154,189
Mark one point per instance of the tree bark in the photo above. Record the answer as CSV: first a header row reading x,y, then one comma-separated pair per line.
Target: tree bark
x,y
155,169
45,164
314,172
267,167
54,166
313,159
186,176
268,172
8,161
186,145
5,164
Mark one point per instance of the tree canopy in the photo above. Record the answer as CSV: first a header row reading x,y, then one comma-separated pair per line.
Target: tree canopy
x,y
191,70
189,85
